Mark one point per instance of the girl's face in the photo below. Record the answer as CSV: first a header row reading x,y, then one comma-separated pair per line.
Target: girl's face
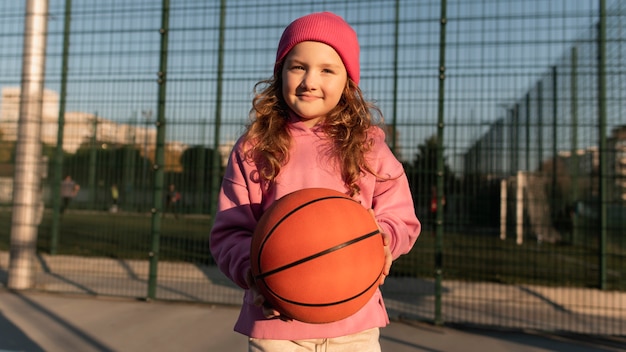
x,y
314,78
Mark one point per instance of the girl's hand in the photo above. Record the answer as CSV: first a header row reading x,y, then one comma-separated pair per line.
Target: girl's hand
x,y
258,298
388,257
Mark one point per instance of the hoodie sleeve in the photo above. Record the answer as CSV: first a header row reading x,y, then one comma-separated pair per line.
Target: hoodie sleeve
x,y
392,201
235,220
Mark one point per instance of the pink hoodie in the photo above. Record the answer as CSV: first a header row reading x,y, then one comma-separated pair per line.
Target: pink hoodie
x,y
243,199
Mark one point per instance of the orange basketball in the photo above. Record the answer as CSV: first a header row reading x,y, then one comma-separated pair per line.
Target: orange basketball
x,y
317,255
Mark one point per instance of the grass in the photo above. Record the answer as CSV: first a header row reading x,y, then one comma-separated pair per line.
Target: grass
x,y
476,257
471,257
121,235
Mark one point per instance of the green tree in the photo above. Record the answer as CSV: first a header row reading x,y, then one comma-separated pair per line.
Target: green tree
x,y
197,162
422,172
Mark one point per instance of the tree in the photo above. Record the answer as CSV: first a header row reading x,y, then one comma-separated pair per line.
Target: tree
x,y
423,172
197,163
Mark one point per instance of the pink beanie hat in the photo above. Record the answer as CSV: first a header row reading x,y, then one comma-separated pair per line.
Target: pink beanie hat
x,y
327,28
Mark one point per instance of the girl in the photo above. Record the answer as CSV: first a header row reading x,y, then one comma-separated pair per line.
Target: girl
x,y
311,127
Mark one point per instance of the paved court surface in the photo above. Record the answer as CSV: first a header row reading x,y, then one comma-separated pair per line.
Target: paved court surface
x,y
543,308
32,321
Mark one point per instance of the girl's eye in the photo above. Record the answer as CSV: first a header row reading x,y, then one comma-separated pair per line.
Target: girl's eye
x,y
297,67
327,70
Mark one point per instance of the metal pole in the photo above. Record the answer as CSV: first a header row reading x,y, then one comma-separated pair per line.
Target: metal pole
x,y
145,198
602,147
516,138
527,152
394,121
503,207
58,154
159,157
512,132
574,169
540,126
130,162
555,106
200,174
93,155
27,176
216,160
440,168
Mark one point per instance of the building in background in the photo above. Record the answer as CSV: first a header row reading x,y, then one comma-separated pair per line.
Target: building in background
x,y
79,128
10,110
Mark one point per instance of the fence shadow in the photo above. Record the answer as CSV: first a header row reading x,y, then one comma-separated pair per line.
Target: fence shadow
x,y
13,339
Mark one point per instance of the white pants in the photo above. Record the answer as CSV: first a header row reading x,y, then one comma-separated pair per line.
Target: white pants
x,y
366,341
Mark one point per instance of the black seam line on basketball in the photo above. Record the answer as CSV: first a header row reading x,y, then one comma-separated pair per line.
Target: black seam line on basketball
x,y
291,212
303,304
316,255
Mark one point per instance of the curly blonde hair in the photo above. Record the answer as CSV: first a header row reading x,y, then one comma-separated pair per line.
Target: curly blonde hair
x,y
346,125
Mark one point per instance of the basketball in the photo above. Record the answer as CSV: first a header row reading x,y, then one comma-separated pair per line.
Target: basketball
x,y
317,255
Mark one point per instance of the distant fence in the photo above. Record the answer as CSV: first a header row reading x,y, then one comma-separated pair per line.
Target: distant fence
x,y
507,115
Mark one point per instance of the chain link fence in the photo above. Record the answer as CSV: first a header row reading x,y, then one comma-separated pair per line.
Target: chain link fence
x,y
507,115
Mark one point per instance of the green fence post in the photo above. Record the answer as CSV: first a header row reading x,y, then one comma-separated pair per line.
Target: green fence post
x,y
527,152
130,164
602,146
93,155
394,121
574,143
516,137
440,168
555,111
199,178
58,154
159,157
540,125
216,164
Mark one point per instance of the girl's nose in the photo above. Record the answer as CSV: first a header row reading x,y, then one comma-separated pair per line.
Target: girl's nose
x,y
309,81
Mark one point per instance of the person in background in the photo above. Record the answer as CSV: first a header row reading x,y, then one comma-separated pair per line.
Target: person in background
x,y
172,200
69,190
311,127
433,206
115,194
